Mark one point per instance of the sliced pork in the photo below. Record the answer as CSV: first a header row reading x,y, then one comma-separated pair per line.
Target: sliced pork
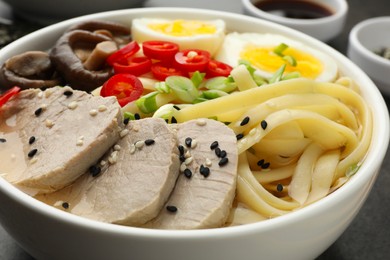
x,y
52,137
204,192
131,183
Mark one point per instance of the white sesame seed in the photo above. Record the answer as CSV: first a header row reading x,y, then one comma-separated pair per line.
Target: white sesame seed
x,y
79,142
93,112
194,143
102,108
117,147
135,128
139,144
187,154
123,133
43,106
48,92
113,157
183,166
208,162
40,94
58,203
188,160
201,122
33,160
72,105
103,162
49,123
132,149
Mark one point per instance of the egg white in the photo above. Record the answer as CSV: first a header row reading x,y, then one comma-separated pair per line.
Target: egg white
x,y
235,43
209,42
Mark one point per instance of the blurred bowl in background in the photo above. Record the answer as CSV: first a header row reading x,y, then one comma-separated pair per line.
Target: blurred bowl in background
x,y
47,11
322,19
365,39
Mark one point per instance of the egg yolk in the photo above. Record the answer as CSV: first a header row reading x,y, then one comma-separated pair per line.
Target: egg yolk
x,y
265,59
183,28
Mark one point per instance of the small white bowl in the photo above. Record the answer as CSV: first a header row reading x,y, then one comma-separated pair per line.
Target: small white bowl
x,y
324,29
365,38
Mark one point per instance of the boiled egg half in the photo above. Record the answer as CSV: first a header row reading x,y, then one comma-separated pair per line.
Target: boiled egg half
x,y
258,49
188,34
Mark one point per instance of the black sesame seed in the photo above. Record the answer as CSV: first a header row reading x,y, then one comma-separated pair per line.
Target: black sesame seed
x,y
32,153
3,140
65,205
188,141
172,209
260,162
126,121
176,107
149,141
38,111
263,124
95,170
68,93
223,154
265,165
214,145
181,149
182,158
137,116
166,120
245,121
279,187
173,120
31,140
217,152
205,171
223,161
239,136
188,173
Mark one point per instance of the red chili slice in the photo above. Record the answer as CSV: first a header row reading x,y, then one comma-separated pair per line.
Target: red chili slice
x,y
8,94
160,50
191,60
217,68
161,71
133,65
125,87
122,54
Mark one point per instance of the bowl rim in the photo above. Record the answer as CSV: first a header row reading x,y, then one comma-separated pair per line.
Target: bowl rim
x,y
338,14
353,185
354,40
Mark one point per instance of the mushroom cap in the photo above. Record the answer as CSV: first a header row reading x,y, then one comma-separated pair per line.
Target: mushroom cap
x,y
71,67
31,69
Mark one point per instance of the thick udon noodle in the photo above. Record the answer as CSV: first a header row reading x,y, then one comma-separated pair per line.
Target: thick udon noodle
x,y
314,136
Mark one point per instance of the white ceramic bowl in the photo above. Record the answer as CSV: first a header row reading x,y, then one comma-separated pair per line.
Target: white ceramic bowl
x,y
365,38
324,29
48,233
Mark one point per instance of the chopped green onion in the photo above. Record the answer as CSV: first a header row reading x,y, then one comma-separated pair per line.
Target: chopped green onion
x,y
290,59
291,75
147,104
280,49
183,88
166,111
162,87
252,70
277,75
197,78
221,83
214,93
199,100
352,170
128,115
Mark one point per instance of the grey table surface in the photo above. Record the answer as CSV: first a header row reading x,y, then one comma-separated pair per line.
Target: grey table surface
x,y
368,236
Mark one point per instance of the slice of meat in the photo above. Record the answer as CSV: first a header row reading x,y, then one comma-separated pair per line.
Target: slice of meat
x,y
204,199
137,178
54,136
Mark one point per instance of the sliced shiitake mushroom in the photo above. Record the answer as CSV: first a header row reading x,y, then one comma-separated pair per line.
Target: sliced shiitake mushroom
x,y
32,69
79,56
116,31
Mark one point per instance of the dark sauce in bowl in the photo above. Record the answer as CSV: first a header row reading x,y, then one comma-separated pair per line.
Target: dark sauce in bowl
x,y
297,9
